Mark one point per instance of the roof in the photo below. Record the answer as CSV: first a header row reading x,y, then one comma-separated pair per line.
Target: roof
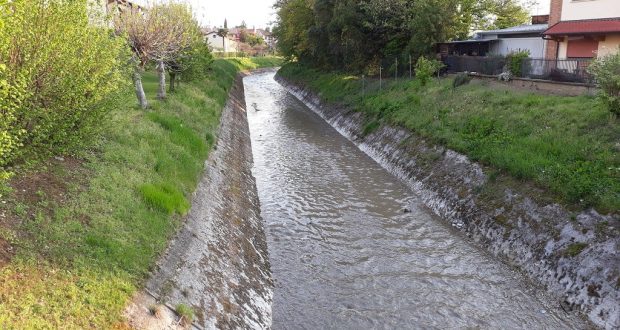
x,y
529,28
594,26
471,41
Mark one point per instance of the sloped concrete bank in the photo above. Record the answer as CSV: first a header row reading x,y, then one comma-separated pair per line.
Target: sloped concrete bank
x,y
574,255
217,264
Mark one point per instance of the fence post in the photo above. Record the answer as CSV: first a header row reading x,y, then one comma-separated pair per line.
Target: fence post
x,y
363,85
396,70
409,66
380,78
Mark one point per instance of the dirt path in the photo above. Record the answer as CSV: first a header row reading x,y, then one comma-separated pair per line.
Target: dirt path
x,y
217,264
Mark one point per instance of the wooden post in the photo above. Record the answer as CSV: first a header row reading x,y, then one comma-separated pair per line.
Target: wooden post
x,y
380,78
396,71
410,67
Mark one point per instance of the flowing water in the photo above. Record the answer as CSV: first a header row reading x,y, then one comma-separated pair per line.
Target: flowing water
x,y
343,252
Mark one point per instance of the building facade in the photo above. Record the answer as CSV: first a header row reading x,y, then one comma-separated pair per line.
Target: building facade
x,y
582,29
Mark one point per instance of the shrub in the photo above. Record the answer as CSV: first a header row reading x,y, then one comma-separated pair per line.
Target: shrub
x,y
606,71
461,79
67,64
425,69
11,98
516,60
195,64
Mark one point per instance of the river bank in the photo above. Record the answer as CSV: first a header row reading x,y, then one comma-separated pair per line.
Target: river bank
x,y
572,253
217,264
80,234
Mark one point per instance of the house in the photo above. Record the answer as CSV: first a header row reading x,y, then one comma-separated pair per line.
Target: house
x,y
218,43
582,29
503,41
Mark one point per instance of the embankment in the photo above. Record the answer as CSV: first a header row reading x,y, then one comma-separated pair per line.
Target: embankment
x,y
573,254
217,264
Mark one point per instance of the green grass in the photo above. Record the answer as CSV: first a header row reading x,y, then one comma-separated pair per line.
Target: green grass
x,y
574,249
566,145
72,273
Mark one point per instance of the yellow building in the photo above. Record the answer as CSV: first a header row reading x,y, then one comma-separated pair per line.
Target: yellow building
x,y
583,29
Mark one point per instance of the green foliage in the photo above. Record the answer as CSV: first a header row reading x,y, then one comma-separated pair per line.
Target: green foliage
x,y
355,34
194,64
425,69
62,69
11,100
461,79
165,197
78,264
516,61
606,71
564,144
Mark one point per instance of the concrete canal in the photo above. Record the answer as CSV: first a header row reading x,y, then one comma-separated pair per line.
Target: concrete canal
x,y
350,246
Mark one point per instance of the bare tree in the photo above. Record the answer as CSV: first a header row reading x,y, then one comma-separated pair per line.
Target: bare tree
x,y
159,34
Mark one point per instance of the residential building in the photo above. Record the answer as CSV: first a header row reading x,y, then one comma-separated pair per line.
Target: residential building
x,y
582,29
503,41
218,43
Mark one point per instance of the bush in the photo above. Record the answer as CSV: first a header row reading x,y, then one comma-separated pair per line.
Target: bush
x,y
516,60
195,64
461,79
60,66
11,99
606,71
425,69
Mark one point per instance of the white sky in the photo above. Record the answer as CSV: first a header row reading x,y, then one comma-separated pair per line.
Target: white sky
x,y
259,13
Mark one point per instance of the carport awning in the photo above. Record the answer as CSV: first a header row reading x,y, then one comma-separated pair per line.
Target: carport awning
x,y
599,26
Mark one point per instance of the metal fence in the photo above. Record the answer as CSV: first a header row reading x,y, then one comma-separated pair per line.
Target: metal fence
x,y
574,70
492,65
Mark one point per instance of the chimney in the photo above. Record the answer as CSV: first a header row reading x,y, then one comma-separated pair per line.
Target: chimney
x,y
554,17
555,13
540,19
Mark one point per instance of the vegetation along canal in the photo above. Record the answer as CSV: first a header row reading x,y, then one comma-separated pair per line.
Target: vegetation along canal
x,y
343,252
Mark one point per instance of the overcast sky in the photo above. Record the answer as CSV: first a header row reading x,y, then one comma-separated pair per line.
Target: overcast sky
x,y
259,13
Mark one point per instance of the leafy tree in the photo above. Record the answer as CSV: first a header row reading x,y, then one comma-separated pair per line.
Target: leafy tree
x,y
295,18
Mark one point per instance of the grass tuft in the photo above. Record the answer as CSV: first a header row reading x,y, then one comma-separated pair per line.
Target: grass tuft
x,y
165,197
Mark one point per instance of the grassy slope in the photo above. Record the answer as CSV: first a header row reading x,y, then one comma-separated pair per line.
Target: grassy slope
x,y
568,145
77,265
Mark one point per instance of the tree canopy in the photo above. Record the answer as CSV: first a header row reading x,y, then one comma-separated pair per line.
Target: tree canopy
x,y
356,34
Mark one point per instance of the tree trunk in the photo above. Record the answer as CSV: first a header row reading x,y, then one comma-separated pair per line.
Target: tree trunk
x,y
172,81
137,79
161,72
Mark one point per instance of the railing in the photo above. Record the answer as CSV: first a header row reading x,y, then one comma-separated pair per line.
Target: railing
x,y
572,70
491,65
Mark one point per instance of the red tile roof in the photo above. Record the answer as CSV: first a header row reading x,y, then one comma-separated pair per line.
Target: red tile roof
x,y
598,26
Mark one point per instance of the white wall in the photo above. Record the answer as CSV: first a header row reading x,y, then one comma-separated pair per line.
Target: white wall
x,y
215,42
589,9
535,45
